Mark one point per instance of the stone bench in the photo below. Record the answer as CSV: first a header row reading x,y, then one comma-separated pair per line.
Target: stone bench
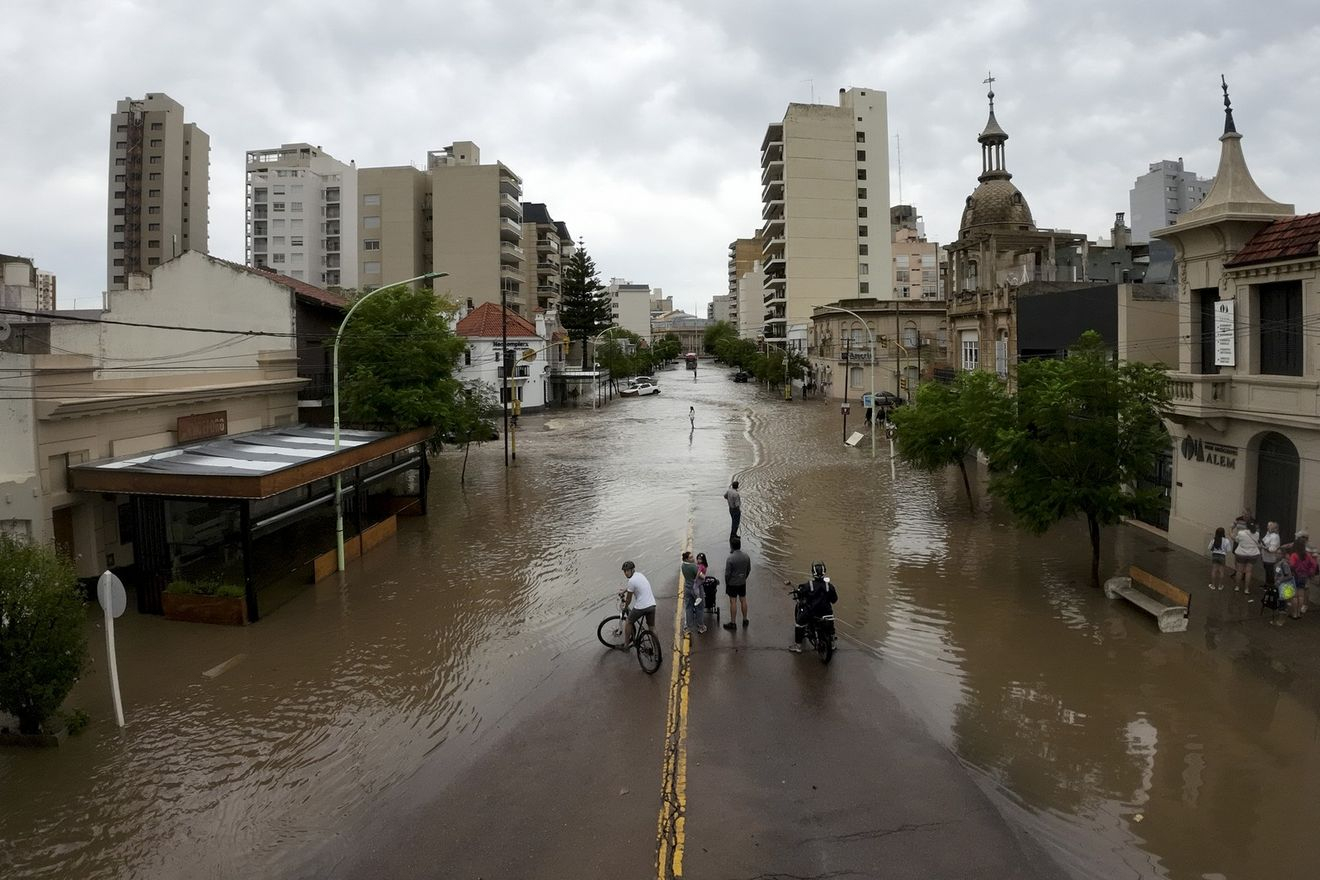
x,y
1169,605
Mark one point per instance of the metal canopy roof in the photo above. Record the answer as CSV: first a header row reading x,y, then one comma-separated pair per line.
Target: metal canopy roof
x,y
257,464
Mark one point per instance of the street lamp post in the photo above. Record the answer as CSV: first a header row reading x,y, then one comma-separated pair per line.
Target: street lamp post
x,y
339,480
594,340
875,408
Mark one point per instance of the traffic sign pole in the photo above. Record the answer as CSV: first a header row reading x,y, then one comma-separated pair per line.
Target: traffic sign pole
x,y
110,593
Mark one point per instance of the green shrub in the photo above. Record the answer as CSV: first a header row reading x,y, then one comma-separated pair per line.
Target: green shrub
x,y
76,721
230,591
208,587
43,645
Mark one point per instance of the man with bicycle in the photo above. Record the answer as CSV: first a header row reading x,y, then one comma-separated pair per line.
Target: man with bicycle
x,y
815,599
638,600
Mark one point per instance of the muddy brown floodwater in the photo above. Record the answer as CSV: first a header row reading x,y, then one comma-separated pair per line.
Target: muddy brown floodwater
x,y
1124,752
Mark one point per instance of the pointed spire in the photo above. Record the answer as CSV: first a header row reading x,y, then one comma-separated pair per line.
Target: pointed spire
x,y
992,139
1228,107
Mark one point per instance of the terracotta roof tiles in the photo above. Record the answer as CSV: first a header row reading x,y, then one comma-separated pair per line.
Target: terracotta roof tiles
x,y
1286,239
483,322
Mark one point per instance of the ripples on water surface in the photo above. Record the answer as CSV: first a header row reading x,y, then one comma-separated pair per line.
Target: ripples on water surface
x,y
1075,713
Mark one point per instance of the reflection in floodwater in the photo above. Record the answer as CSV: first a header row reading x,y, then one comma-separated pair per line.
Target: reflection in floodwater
x,y
1125,752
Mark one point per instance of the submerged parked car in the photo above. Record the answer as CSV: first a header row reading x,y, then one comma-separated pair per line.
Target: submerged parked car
x,y
640,389
741,376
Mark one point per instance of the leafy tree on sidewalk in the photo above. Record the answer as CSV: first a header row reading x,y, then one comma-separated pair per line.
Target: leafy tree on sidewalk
x,y
947,424
1081,433
399,359
42,642
584,307
717,332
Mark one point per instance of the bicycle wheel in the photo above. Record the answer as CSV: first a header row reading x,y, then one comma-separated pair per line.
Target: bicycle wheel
x,y
610,632
648,651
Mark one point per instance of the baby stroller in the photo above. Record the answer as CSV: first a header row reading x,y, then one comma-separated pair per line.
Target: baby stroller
x,y
710,587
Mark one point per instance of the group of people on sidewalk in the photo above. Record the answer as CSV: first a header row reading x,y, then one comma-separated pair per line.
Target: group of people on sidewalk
x,y
1287,567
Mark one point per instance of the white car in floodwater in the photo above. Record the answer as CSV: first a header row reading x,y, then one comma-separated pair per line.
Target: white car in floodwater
x,y
641,389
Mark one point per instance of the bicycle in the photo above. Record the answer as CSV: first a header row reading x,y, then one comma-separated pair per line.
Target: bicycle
x,y
645,641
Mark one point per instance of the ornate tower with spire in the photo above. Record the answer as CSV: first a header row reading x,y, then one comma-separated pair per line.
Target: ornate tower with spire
x,y
996,202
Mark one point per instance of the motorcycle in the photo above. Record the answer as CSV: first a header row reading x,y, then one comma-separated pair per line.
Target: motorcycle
x,y
819,629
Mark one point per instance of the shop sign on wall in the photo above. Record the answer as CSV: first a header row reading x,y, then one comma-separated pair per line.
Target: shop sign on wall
x,y
1195,449
201,426
1225,341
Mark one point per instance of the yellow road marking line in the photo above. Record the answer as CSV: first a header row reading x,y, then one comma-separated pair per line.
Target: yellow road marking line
x,y
670,833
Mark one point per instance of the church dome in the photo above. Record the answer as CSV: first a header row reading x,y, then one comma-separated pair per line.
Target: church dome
x,y
996,202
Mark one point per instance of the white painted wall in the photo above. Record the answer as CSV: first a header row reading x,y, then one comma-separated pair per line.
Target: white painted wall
x,y
484,353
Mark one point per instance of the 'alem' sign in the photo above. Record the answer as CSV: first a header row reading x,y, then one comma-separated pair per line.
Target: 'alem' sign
x,y
201,426
1210,453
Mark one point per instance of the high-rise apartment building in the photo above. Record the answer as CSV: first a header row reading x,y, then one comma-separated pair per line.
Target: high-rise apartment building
x,y
300,202
916,261
45,290
392,236
158,186
476,226
720,308
630,306
1162,194
744,255
542,267
824,170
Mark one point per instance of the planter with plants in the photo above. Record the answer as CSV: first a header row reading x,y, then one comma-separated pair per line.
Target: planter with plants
x,y
205,602
43,642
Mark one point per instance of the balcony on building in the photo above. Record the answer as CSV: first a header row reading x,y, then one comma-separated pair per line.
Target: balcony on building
x,y
511,185
512,208
510,230
773,228
259,212
773,295
1250,397
331,194
772,191
511,254
773,209
772,145
547,245
773,172
330,212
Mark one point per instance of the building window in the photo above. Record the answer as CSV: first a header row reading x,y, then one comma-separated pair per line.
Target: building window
x,y
861,174
467,357
864,287
119,194
861,212
119,279
156,142
295,241
153,227
119,212
277,206
371,244
295,206
121,128
861,155
119,161
153,242
277,258
1281,328
910,337
371,267
1001,354
278,241
901,276
119,227
371,223
861,192
153,193
861,137
154,175
154,160
153,209
371,199
864,249
153,261
119,178
971,350
863,268
861,231
119,261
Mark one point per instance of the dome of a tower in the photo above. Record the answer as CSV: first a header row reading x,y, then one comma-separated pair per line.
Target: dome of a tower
x,y
996,202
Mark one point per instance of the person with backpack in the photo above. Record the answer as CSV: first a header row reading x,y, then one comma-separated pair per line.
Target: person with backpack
x,y
1304,567
1246,555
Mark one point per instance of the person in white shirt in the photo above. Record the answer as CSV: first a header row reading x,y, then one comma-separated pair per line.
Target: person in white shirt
x,y
1246,554
1270,543
639,600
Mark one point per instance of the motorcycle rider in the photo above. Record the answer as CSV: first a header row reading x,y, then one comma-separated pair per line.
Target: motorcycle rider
x,y
815,599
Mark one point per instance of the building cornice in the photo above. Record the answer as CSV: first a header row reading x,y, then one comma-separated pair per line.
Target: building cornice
x,y
82,407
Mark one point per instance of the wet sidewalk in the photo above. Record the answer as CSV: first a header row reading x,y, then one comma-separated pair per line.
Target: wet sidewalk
x,y
1225,621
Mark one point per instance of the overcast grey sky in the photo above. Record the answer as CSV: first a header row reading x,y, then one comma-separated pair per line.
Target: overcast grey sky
x,y
640,123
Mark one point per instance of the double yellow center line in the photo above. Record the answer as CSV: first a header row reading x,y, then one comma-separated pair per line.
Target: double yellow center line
x,y
670,837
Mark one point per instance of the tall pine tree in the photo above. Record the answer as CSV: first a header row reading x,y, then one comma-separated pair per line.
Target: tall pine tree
x,y
584,307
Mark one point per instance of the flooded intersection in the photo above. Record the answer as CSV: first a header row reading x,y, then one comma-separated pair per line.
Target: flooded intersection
x,y
444,709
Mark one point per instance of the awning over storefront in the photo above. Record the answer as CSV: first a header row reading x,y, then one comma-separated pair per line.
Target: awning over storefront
x,y
258,464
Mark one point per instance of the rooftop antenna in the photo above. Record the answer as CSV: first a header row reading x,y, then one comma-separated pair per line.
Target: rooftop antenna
x,y
812,83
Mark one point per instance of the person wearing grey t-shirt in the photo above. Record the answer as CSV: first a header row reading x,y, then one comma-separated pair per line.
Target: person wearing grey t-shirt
x,y
736,569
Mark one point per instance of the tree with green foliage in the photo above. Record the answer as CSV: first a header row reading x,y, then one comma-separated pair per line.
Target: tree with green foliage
x,y
717,332
473,419
612,355
584,306
43,645
399,361
667,348
1080,434
947,424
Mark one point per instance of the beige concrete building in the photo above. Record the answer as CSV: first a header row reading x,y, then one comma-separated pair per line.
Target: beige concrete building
x,y
744,257
720,308
906,336
916,260
631,306
476,226
543,265
300,201
1245,427
751,295
825,202
158,186
392,235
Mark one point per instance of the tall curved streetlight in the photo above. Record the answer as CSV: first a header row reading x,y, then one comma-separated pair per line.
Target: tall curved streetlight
x,y
595,339
875,408
339,480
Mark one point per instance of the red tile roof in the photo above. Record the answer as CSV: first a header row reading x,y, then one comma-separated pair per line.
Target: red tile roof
x,y
1286,239
484,322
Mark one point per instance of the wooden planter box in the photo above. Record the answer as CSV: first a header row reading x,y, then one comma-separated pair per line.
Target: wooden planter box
x,y
205,609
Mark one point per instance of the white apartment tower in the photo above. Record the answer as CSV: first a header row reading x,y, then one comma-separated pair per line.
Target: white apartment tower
x,y
825,202
158,186
630,305
1162,194
300,203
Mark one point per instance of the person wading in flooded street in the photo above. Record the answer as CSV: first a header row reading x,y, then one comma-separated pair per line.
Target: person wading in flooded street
x,y
735,512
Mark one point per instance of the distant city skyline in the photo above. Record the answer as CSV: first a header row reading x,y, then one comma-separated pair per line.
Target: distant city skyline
x,y
656,167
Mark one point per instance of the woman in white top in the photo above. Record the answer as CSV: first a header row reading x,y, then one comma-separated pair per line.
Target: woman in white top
x,y
1220,547
1246,556
1269,551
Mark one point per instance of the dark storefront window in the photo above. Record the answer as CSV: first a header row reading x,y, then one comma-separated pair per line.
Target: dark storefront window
x,y
1205,300
1161,479
1281,328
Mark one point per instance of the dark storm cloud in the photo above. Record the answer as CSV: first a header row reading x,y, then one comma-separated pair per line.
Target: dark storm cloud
x,y
640,123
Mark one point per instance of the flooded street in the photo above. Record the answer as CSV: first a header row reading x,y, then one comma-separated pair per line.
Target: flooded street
x,y
287,748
